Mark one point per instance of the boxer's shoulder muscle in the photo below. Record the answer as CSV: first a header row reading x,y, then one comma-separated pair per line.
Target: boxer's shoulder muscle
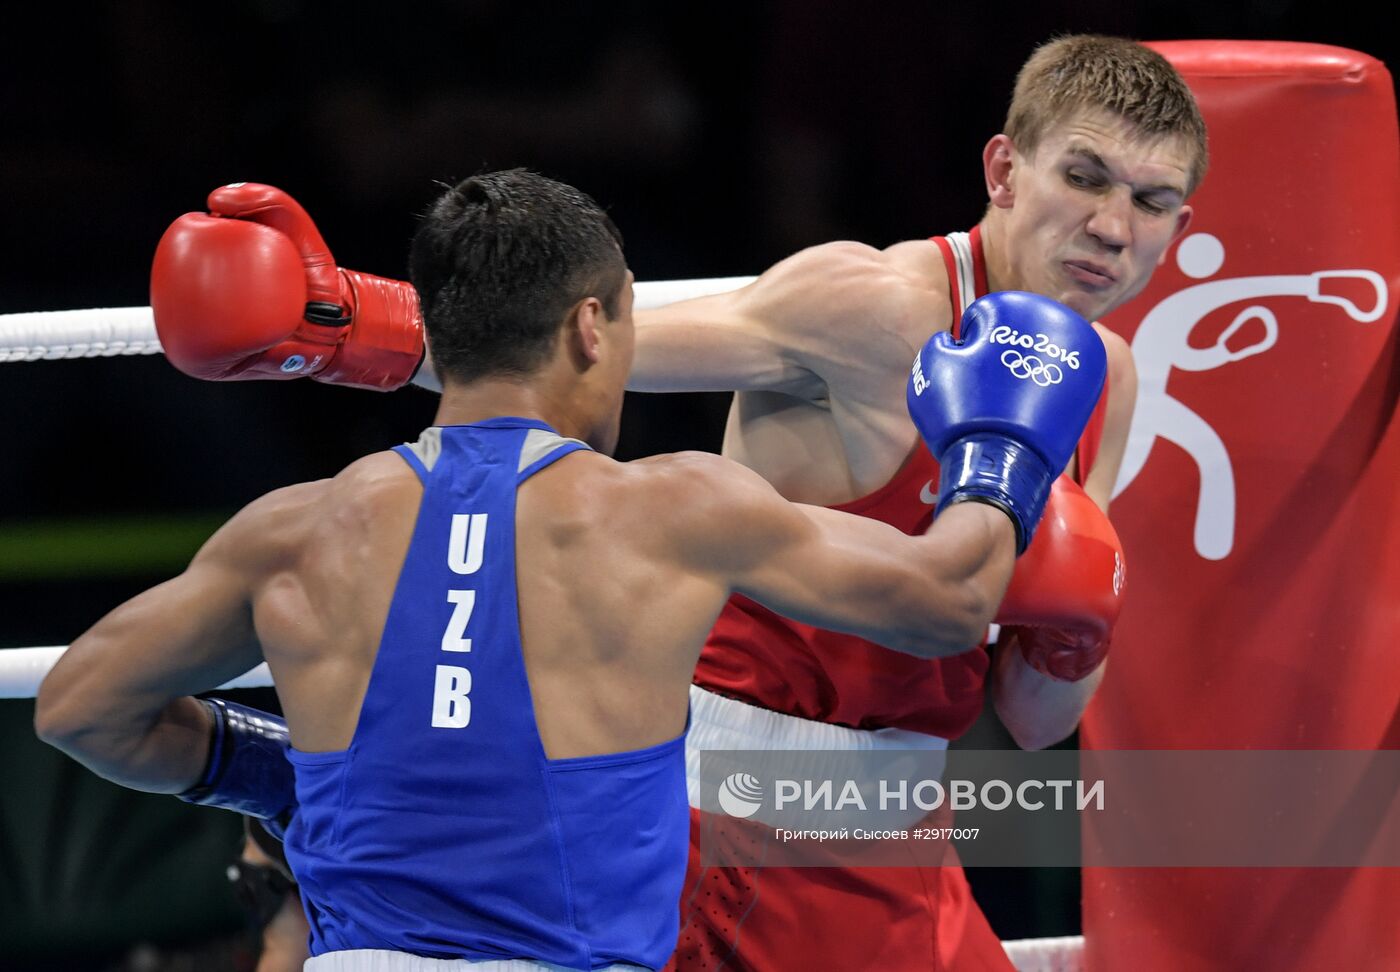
x,y
839,313
922,262
885,304
321,558
906,300
628,533
356,505
763,337
649,510
717,519
709,509
270,532
853,311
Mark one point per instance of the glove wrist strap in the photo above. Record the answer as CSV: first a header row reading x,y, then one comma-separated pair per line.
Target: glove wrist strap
x,y
990,468
248,770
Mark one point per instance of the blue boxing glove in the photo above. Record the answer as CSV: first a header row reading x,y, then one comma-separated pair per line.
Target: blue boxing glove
x,y
248,770
1002,409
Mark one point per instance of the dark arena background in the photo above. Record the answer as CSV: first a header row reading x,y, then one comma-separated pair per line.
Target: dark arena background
x,y
721,137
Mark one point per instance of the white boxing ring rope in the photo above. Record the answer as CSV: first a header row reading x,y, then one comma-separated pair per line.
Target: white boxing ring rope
x,y
22,669
102,332
105,332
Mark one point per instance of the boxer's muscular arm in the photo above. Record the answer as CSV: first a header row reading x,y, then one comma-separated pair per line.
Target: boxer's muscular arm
x,y
118,700
1037,710
804,323
928,596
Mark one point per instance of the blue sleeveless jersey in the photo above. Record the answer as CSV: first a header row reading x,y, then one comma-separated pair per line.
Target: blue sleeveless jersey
x,y
444,830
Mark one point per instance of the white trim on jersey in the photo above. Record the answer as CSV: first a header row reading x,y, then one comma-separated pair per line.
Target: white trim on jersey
x,y
961,245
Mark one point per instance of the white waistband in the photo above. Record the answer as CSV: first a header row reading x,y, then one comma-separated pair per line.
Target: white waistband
x,y
383,960
720,725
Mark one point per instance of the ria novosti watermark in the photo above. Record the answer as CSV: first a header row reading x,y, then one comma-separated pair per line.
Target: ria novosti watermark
x,y
743,795
1053,809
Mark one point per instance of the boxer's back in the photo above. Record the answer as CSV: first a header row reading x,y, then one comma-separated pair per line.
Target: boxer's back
x,y
446,826
611,620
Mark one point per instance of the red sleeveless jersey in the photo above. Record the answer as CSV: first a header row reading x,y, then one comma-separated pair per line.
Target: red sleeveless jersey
x,y
767,660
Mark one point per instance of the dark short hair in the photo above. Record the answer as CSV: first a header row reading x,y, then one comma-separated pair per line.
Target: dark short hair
x,y
1087,71
499,260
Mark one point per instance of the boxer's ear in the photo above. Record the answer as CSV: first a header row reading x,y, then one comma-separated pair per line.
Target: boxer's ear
x,y
1183,220
998,168
582,329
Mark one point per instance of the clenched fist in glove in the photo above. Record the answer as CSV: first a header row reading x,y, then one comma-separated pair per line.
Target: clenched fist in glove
x,y
1067,589
1002,408
250,290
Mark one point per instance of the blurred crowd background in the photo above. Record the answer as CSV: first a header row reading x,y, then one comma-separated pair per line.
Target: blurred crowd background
x,y
720,136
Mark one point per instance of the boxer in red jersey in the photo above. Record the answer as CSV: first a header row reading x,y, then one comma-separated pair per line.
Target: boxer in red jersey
x,y
1087,188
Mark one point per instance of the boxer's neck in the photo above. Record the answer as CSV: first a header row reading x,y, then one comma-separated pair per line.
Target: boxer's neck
x,y
1000,274
561,405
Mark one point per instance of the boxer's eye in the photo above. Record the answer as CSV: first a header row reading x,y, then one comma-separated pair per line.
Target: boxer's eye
x,y
1081,180
1150,205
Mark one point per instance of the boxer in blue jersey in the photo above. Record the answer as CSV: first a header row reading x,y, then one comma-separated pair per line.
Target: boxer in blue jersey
x,y
484,641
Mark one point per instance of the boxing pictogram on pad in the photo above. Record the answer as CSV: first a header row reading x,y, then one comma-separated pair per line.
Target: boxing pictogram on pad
x,y
1162,343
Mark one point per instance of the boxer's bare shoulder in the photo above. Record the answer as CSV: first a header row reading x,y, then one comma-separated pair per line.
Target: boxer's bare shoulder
x,y
897,297
269,534
800,326
705,501
690,518
621,588
922,263
372,500
575,506
853,313
319,559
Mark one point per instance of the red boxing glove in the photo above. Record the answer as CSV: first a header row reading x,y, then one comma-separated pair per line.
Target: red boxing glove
x,y
1067,589
251,291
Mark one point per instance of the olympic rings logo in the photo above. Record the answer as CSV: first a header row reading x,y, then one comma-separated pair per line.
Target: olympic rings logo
x,y
1029,366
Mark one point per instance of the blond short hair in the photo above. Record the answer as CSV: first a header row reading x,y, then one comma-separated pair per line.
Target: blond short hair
x,y
1086,72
